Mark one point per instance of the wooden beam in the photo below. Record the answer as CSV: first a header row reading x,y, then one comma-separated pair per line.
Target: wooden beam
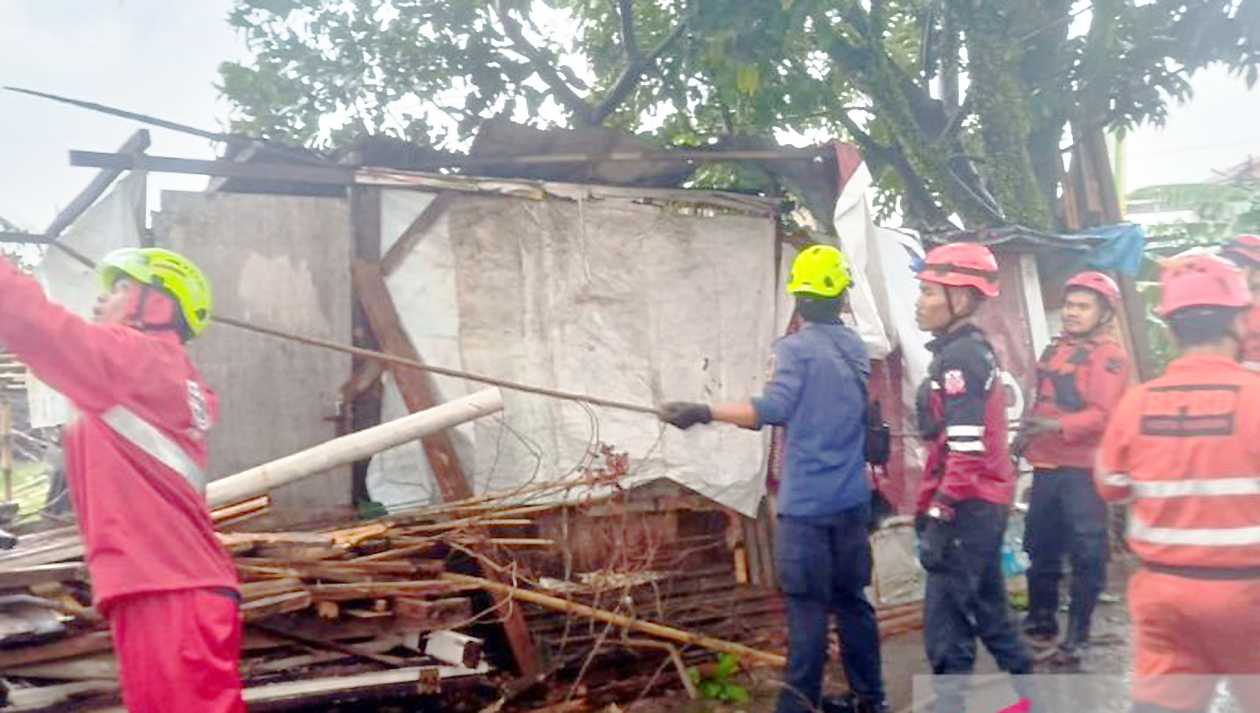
x,y
44,574
411,236
433,614
135,145
89,643
9,236
292,172
415,386
407,681
417,392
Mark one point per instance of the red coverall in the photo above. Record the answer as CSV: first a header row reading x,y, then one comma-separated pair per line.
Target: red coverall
x,y
1079,383
159,574
1185,450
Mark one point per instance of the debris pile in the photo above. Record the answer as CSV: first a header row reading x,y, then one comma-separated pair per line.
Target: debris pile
x,y
624,592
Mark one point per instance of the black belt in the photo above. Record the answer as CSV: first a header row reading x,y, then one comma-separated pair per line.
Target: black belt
x,y
1223,574
229,593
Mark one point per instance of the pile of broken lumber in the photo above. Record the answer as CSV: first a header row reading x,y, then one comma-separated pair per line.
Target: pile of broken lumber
x,y
362,611
334,614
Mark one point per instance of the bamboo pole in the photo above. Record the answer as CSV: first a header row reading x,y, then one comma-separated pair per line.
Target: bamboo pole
x,y
350,448
644,627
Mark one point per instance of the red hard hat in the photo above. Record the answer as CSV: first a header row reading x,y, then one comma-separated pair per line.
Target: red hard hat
x,y
1245,247
962,265
1202,281
1099,283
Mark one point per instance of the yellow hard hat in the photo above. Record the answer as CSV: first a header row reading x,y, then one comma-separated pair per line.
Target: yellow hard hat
x,y
168,271
820,271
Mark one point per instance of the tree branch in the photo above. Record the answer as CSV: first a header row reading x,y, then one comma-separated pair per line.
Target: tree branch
x,y
628,42
629,77
919,201
545,67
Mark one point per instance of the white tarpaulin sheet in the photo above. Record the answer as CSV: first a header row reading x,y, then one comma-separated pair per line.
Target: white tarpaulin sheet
x,y
113,222
606,297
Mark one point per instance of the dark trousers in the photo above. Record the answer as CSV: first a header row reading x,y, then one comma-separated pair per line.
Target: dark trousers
x,y
1066,519
824,565
966,599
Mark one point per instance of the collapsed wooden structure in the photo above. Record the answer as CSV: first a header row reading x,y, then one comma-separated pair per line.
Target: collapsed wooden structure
x,y
578,591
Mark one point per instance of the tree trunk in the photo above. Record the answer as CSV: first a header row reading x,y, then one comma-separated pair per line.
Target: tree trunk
x,y
1001,102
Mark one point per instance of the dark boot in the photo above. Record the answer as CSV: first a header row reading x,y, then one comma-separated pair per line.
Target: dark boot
x,y
1080,615
853,703
1041,627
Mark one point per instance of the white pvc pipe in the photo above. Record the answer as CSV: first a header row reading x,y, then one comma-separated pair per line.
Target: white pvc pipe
x,y
350,448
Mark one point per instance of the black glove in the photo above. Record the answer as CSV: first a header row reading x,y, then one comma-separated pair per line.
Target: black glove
x,y
684,415
936,543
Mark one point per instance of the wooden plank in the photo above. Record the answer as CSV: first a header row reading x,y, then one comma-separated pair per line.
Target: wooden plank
x,y
136,144
90,643
270,588
50,698
413,680
417,391
278,604
100,667
414,232
10,236
298,173
232,511
432,614
415,386
44,574
373,590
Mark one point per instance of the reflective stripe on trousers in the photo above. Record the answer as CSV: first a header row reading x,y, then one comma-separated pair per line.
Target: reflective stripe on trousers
x,y
145,436
1195,537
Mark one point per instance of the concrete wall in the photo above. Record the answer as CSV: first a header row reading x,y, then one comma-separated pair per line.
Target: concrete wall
x,y
281,262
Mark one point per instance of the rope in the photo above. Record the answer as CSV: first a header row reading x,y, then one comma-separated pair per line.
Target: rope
x,y
403,361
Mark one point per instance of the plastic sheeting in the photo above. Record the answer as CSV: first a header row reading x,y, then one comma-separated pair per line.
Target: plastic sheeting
x,y
113,222
607,297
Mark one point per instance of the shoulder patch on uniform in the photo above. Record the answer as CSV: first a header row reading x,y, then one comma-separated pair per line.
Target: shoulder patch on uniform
x,y
954,382
1114,365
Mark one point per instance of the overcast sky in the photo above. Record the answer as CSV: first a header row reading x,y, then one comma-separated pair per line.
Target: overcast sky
x,y
160,57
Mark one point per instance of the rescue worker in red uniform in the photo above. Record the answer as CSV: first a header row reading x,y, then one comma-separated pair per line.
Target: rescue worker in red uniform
x,y
968,480
1080,379
1244,251
135,460
1184,451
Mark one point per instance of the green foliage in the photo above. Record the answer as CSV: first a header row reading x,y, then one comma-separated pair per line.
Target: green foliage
x,y
1210,213
720,687
1206,215
884,73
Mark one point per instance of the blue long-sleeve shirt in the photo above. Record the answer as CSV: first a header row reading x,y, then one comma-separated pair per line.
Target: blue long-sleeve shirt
x,y
816,394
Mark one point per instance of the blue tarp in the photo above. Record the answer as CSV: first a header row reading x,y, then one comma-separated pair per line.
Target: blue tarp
x,y
1121,249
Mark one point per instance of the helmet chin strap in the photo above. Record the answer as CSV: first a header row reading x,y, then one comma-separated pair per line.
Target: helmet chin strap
x,y
1103,322
954,316
139,322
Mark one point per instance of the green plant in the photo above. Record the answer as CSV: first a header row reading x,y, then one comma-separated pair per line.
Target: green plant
x,y
719,686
